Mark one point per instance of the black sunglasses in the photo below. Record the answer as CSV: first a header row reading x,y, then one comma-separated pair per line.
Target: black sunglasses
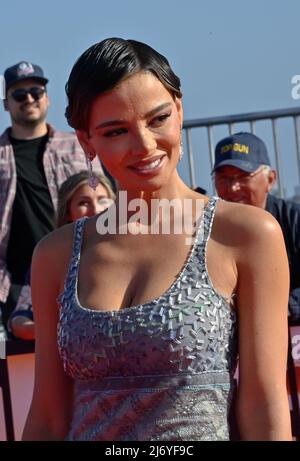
x,y
20,95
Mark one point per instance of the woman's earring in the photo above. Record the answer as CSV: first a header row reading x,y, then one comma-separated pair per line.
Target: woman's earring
x,y
93,180
181,151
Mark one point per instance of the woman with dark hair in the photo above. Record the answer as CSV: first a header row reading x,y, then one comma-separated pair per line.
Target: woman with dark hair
x,y
147,324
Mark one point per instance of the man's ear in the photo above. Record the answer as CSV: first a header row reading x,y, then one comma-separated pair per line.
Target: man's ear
x,y
48,100
84,141
272,177
5,105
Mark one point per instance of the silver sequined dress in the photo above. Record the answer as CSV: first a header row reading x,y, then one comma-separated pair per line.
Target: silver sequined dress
x,y
157,371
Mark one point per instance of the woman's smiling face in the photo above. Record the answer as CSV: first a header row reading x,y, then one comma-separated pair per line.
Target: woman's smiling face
x,y
135,129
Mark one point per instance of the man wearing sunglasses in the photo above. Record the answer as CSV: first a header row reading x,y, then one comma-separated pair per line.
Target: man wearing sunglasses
x,y
242,173
35,160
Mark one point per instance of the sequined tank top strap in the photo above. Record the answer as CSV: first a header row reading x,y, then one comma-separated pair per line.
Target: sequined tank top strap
x,y
204,230
207,222
76,250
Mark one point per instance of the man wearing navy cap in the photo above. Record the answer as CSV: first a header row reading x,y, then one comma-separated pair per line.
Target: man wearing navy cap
x,y
35,160
243,173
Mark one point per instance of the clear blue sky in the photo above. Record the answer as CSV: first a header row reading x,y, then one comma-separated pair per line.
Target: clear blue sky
x,y
232,56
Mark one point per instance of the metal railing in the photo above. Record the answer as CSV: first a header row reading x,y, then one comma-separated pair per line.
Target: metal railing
x,y
274,116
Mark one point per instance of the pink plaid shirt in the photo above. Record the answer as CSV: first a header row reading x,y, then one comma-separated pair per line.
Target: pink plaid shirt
x,y
63,157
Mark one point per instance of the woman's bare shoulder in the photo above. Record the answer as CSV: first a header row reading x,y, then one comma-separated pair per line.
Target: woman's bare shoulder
x,y
242,222
57,240
52,253
51,259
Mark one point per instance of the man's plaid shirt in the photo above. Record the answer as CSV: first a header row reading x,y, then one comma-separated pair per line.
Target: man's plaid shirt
x,y
62,158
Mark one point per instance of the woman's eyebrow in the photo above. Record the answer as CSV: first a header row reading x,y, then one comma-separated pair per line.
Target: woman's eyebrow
x,y
154,111
151,113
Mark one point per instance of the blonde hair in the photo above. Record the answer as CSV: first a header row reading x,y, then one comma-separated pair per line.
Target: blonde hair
x,y
70,186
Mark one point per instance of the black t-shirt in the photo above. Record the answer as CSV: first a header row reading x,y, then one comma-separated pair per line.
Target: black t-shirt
x,y
33,212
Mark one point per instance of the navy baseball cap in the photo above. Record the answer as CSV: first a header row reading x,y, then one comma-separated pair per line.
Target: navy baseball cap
x,y
22,71
242,150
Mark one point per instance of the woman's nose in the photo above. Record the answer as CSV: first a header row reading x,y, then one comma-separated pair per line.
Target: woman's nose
x,y
95,208
144,142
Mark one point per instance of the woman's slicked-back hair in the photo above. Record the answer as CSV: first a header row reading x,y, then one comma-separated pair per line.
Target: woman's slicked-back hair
x,y
104,65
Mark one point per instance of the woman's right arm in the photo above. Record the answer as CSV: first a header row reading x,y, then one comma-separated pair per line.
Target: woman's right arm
x,y
51,407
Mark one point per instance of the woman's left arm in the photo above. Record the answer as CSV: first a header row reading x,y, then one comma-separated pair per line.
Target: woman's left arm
x,y
262,300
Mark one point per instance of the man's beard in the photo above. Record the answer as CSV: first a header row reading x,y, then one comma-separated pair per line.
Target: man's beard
x,y
27,122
